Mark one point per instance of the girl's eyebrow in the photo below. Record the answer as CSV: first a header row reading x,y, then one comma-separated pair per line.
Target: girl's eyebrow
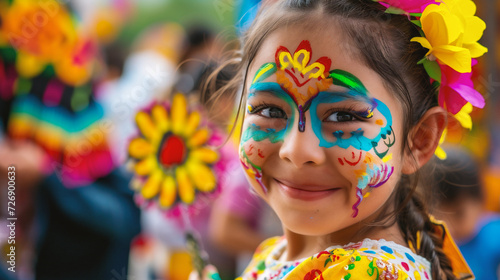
x,y
269,87
337,96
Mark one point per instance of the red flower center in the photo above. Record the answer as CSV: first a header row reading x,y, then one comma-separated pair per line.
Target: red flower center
x,y
173,151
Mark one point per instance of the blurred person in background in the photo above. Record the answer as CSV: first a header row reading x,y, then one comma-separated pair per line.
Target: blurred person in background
x,y
460,203
76,215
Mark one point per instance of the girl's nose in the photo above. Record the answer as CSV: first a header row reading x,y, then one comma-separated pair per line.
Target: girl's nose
x,y
301,148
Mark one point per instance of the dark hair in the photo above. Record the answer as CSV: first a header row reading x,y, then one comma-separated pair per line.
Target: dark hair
x,y
457,177
382,42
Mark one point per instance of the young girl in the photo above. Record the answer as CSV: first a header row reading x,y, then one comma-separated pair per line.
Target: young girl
x,y
341,115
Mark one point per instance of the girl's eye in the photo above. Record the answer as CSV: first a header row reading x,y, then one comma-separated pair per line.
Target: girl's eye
x,y
273,112
340,117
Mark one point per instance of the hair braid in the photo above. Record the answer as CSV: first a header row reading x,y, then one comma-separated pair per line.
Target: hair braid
x,y
417,228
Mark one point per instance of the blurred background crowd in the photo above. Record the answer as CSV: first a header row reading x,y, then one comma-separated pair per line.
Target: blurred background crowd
x,y
73,75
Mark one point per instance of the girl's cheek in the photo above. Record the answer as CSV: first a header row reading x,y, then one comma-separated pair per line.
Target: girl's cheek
x,y
254,151
252,157
350,162
365,171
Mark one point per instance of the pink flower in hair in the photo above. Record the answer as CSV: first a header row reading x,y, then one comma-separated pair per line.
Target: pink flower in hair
x,y
457,89
409,6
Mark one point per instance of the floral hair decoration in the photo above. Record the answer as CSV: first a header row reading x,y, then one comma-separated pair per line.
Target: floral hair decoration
x,y
450,31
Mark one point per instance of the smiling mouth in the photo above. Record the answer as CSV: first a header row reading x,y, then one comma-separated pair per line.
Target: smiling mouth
x,y
304,192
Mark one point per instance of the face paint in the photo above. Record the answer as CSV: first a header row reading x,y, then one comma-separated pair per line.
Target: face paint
x,y
297,68
356,138
304,86
253,171
255,132
373,174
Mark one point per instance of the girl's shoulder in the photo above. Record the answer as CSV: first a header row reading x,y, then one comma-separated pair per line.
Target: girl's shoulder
x,y
368,259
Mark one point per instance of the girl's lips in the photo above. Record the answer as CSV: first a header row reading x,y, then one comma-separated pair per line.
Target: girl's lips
x,y
304,192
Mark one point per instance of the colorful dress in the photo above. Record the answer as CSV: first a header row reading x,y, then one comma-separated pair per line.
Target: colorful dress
x,y
368,259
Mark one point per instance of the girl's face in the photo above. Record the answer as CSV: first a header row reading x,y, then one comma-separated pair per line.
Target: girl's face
x,y
321,139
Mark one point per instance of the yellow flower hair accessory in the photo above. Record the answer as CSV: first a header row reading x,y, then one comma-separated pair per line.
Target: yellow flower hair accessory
x,y
450,31
172,157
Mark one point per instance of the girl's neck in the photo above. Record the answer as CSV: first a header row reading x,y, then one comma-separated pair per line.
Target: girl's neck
x,y
303,246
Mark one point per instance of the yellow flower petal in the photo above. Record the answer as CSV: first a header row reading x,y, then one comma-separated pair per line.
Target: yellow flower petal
x,y
186,189
440,26
146,125
456,57
463,116
152,185
440,153
474,30
146,166
199,138
179,113
192,123
29,65
461,7
476,49
205,155
139,148
424,42
168,194
201,175
160,118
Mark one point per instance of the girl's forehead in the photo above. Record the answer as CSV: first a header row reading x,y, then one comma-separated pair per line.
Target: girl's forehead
x,y
324,41
308,48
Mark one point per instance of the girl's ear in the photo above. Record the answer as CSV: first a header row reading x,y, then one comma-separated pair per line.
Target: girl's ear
x,y
424,139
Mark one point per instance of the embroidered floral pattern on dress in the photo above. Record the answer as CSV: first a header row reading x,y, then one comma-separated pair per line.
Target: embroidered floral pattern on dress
x,y
368,259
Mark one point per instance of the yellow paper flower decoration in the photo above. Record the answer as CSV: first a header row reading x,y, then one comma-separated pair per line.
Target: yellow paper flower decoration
x,y
46,37
451,33
172,155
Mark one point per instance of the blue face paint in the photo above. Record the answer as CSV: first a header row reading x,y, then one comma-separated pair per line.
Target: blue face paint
x,y
357,139
257,133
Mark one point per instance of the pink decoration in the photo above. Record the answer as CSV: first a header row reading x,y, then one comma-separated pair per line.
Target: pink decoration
x,y
53,93
85,53
409,6
457,89
8,77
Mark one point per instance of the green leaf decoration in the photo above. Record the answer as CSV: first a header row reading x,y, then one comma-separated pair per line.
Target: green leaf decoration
x,y
422,60
416,14
395,11
432,68
417,23
327,261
